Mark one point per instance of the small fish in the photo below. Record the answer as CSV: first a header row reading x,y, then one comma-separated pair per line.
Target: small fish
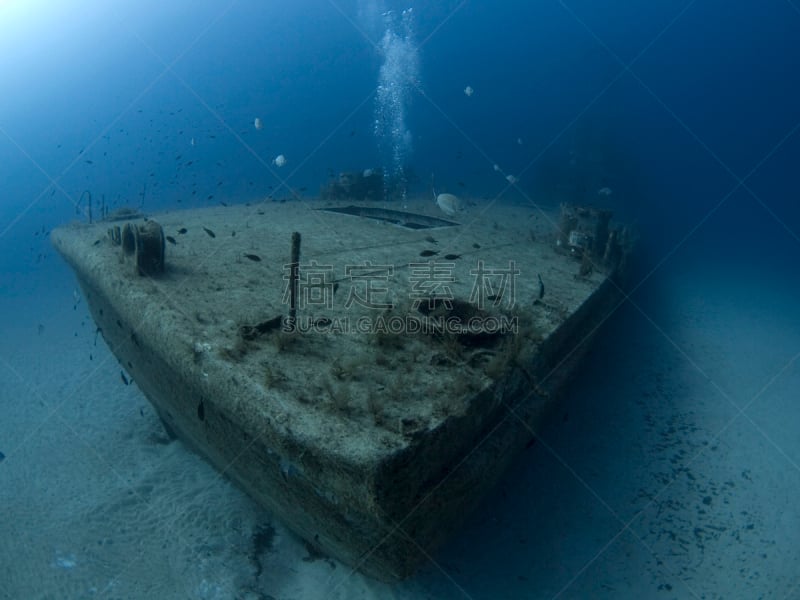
x,y
427,253
448,204
124,379
431,239
2,457
476,245
182,230
605,191
452,256
171,240
253,257
541,286
89,162
209,232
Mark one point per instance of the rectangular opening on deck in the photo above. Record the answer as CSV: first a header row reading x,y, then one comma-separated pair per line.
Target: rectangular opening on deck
x,y
395,217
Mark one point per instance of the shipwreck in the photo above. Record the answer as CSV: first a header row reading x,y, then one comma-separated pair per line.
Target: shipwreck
x,y
363,372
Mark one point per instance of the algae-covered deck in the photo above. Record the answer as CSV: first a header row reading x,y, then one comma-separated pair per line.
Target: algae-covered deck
x,y
370,395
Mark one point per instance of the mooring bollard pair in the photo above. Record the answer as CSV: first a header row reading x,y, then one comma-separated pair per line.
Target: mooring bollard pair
x,y
142,246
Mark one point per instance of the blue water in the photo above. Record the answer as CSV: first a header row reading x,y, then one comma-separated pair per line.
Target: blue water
x,y
674,471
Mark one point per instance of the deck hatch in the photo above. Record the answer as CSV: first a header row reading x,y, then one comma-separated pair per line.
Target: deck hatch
x,y
395,217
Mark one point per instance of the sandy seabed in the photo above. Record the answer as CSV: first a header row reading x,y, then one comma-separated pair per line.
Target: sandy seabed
x,y
671,470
